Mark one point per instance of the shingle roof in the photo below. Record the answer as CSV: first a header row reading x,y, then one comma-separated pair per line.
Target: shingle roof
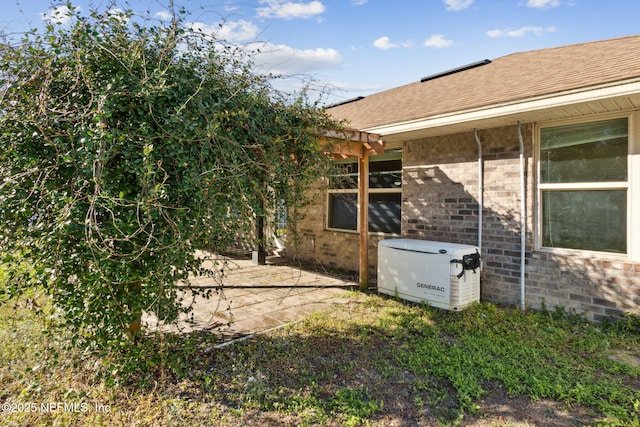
x,y
510,78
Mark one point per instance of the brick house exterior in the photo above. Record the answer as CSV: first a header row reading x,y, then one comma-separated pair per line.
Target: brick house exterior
x,y
574,111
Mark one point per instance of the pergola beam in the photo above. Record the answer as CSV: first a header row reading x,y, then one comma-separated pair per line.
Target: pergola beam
x,y
355,143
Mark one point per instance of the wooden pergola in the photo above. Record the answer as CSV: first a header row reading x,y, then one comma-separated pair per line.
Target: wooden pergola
x,y
355,143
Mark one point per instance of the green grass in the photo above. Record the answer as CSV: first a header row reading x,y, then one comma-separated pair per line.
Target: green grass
x,y
375,361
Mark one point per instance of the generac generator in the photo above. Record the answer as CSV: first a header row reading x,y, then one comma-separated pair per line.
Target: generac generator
x,y
444,275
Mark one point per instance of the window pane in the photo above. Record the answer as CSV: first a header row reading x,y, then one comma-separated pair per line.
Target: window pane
x,y
343,211
385,174
586,152
590,220
345,176
384,212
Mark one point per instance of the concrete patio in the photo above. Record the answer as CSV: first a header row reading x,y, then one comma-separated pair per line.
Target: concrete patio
x,y
258,298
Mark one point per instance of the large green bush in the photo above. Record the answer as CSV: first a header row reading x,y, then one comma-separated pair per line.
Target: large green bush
x,y
126,145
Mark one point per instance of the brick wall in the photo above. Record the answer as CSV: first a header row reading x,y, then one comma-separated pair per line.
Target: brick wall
x,y
338,249
441,193
601,287
440,202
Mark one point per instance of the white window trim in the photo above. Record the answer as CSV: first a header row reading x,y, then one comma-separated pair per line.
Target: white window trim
x,y
632,186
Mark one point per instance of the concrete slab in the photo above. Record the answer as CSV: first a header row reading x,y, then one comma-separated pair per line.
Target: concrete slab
x,y
257,298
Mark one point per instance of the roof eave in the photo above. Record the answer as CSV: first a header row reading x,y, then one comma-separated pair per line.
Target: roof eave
x,y
524,110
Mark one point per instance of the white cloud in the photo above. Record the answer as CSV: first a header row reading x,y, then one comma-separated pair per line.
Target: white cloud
x,y
283,59
542,4
63,14
238,31
290,10
437,40
457,4
118,13
230,31
384,43
230,7
58,15
520,32
359,2
164,15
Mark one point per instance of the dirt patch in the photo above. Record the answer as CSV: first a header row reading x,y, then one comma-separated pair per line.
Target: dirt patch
x,y
498,409
626,357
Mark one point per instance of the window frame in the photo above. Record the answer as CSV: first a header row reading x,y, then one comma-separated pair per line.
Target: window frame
x,y
632,190
331,191
395,155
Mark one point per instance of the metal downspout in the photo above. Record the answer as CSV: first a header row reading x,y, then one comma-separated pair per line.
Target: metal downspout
x,y
523,218
480,190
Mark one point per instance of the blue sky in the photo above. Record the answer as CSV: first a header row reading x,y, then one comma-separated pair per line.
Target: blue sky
x,y
358,47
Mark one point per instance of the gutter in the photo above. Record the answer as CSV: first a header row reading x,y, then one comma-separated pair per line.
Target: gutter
x,y
523,219
480,190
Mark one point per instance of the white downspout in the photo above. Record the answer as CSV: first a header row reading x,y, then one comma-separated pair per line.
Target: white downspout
x,y
480,190
523,218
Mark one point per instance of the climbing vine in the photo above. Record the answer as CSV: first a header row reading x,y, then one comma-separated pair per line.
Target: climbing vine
x,y
128,144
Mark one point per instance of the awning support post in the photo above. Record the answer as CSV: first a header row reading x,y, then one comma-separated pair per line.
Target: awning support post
x,y
363,218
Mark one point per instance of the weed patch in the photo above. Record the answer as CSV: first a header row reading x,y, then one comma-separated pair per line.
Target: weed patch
x,y
376,362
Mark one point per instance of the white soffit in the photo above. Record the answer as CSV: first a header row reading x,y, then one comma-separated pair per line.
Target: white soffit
x,y
622,96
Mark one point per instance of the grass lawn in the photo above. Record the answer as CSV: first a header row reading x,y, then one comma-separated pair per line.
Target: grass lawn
x,y
376,362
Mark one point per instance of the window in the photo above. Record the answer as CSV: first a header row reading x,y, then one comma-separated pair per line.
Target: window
x,y
343,197
583,186
385,195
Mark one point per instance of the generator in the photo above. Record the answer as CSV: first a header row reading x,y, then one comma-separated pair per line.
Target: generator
x,y
441,274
